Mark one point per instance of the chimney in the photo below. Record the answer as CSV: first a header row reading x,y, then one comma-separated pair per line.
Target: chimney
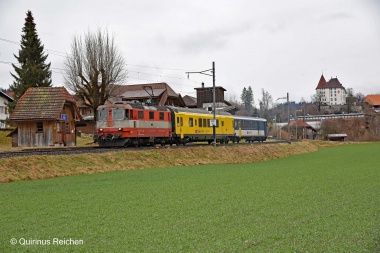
x,y
203,84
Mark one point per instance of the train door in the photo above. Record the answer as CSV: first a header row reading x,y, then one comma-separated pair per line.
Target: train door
x,y
239,128
181,132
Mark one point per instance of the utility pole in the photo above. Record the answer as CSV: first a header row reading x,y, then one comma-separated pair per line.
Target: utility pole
x,y
206,72
287,100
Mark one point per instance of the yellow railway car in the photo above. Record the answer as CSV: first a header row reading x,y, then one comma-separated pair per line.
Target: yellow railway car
x,y
195,125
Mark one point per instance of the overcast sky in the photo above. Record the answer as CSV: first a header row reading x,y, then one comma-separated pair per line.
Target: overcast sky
x,y
281,46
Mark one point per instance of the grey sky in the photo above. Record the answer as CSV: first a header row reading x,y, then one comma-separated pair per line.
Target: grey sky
x,y
281,46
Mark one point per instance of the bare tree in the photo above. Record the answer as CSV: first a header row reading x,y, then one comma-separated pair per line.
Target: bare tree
x,y
266,100
316,99
93,67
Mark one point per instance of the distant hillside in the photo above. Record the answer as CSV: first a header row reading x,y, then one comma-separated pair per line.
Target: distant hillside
x,y
357,129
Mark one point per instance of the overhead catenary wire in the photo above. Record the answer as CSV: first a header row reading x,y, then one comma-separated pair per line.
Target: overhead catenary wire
x,y
65,54
160,76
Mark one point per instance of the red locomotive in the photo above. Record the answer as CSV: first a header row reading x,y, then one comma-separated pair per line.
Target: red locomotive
x,y
125,124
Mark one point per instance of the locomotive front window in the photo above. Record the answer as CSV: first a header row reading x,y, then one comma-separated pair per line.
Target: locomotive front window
x,y
141,114
117,114
161,116
102,114
151,115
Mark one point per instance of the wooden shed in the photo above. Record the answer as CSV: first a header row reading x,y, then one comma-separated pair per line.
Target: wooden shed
x,y
46,116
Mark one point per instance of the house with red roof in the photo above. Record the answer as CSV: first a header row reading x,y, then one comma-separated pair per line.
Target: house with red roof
x,y
372,102
331,92
299,129
45,116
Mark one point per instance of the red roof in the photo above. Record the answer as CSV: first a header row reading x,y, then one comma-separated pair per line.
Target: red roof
x,y
332,83
299,123
10,94
372,99
322,83
42,103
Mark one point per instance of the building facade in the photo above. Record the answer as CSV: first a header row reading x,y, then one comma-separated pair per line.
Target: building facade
x,y
4,113
45,116
331,92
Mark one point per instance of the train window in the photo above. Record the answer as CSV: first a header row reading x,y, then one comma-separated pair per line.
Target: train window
x,y
256,125
102,114
195,122
200,122
217,123
151,115
191,122
141,114
209,122
177,121
162,117
204,123
117,114
222,123
131,114
126,114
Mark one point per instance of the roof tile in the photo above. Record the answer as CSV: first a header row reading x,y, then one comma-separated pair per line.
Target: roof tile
x,y
41,103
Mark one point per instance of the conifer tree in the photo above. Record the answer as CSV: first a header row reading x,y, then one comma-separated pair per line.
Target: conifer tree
x,y
32,70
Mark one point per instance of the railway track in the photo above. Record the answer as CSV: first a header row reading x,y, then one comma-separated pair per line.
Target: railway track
x,y
97,150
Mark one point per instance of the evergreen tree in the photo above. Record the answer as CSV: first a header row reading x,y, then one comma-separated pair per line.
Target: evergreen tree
x,y
32,70
247,98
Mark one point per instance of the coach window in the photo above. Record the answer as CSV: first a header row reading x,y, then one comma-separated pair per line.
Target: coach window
x,y
141,114
200,122
208,122
177,121
151,115
222,123
162,116
191,122
181,120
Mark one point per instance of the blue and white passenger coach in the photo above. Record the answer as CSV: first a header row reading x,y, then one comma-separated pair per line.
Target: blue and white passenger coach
x,y
250,129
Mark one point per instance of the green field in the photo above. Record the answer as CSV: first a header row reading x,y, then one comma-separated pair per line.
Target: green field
x,y
326,201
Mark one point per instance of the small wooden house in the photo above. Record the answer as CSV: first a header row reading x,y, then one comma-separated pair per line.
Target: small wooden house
x,y
46,116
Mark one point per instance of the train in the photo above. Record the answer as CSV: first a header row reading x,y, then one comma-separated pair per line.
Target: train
x,y
124,124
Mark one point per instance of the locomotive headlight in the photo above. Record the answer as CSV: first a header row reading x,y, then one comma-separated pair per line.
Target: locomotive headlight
x,y
119,128
101,129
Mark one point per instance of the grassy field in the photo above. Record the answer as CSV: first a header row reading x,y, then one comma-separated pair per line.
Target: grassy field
x,y
325,201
